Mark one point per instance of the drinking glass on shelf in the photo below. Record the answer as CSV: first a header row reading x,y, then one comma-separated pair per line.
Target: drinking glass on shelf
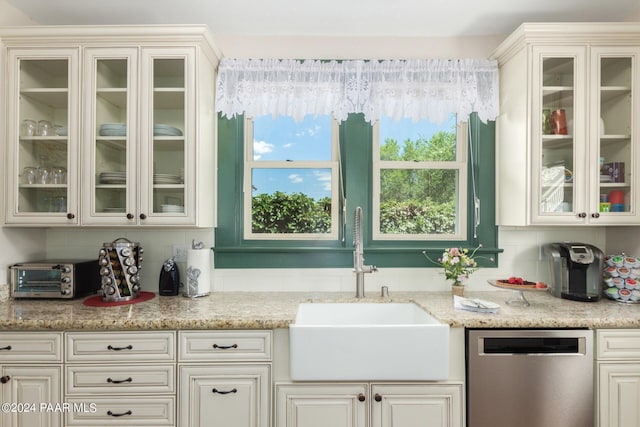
x,y
43,175
28,127
29,174
58,175
44,128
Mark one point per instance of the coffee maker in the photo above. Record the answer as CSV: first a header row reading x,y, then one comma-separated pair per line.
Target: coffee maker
x,y
576,270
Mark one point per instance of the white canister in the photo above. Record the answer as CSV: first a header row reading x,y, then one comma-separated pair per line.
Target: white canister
x,y
199,266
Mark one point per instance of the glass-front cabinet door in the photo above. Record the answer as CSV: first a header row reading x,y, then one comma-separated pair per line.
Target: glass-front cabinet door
x,y
168,134
558,135
584,147
614,156
42,136
110,175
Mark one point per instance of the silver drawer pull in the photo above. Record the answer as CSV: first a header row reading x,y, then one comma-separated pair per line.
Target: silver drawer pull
x,y
225,347
216,391
119,415
6,348
110,347
128,380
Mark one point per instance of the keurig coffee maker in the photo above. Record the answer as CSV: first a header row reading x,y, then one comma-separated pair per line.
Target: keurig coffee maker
x,y
576,270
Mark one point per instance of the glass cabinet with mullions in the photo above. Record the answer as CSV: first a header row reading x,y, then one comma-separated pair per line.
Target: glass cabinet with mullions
x,y
42,149
585,147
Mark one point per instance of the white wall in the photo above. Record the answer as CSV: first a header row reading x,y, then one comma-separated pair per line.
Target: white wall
x,y
10,16
17,244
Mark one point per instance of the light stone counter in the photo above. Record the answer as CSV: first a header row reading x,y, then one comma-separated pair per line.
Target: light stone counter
x,y
270,310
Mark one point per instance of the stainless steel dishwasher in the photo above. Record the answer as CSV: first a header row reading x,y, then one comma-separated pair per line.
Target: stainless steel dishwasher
x,y
530,378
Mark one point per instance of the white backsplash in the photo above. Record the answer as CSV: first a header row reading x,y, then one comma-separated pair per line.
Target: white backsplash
x,y
521,257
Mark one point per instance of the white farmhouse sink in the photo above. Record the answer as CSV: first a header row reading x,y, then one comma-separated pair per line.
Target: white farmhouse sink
x,y
366,342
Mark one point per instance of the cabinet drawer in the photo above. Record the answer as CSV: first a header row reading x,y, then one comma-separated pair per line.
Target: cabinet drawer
x,y
618,344
118,379
239,346
26,347
120,346
154,411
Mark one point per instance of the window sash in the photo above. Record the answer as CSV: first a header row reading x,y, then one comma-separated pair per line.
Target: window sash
x,y
460,164
250,165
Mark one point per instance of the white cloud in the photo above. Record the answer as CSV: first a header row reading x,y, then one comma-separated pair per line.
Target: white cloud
x,y
260,148
311,131
288,145
324,178
294,178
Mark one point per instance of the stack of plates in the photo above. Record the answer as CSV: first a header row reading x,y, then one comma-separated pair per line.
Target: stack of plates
x,y
113,178
166,130
172,208
165,178
113,129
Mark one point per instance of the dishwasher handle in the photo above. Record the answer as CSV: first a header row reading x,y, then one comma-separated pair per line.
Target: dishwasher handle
x,y
532,345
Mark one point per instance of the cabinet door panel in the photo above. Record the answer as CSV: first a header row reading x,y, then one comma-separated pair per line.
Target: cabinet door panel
x,y
417,405
167,129
559,180
320,405
31,385
110,136
42,136
613,120
619,394
224,395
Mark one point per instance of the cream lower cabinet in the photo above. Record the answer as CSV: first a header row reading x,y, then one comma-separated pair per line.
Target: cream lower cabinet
x,y
618,388
121,378
30,377
375,405
224,378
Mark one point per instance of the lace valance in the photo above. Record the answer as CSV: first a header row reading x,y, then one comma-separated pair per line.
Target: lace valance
x,y
416,89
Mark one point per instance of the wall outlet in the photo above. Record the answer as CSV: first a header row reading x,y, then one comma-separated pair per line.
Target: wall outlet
x,y
179,252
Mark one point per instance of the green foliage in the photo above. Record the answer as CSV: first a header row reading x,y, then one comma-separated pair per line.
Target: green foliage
x,y
413,201
417,217
290,213
419,201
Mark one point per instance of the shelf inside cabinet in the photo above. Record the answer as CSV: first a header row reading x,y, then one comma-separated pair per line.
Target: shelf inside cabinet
x,y
557,141
612,139
608,93
169,98
52,97
116,97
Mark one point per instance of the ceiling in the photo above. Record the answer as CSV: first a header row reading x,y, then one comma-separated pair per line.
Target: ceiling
x,y
424,18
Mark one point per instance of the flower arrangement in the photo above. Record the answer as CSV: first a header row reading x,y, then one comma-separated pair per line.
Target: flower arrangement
x,y
458,264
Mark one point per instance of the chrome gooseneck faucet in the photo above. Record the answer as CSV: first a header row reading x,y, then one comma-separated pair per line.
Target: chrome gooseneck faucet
x,y
358,254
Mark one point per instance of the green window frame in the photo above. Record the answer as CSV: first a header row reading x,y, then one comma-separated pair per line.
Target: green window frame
x,y
231,250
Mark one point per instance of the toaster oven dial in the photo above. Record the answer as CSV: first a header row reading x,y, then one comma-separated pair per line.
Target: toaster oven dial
x,y
65,291
65,269
66,279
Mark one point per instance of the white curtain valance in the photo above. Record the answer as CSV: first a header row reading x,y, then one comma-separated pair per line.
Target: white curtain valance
x,y
416,89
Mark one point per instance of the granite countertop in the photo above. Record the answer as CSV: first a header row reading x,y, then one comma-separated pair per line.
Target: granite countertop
x,y
270,310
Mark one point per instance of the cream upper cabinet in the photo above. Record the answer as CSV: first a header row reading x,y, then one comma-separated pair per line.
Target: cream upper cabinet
x,y
140,150
41,134
567,142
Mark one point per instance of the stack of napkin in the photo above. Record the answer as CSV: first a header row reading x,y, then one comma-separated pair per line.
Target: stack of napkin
x,y
475,304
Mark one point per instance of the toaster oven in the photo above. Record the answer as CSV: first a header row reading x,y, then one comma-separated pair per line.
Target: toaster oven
x,y
54,279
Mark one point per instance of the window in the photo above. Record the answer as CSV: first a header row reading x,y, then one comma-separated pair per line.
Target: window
x,y
291,178
420,180
358,162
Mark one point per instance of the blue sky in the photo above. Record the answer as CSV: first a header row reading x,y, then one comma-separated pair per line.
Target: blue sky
x,y
310,139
